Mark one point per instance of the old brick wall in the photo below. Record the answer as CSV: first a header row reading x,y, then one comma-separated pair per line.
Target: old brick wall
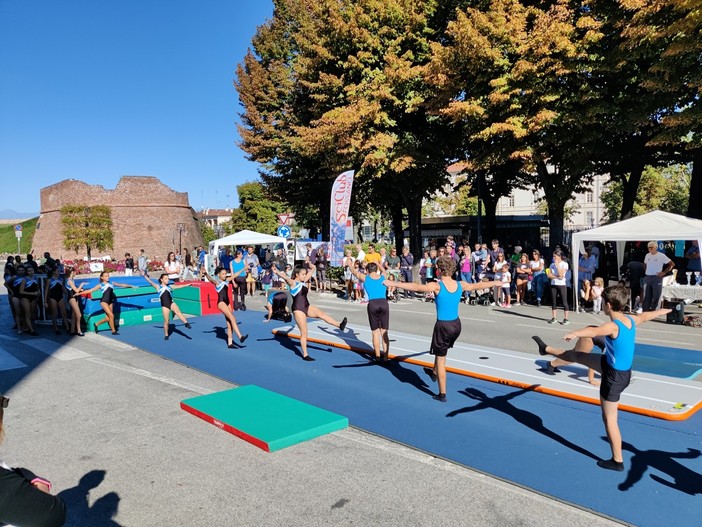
x,y
145,215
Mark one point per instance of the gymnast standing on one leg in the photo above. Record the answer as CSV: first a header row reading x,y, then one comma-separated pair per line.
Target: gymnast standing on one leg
x,y
108,298
221,283
378,308
447,296
616,338
167,303
301,308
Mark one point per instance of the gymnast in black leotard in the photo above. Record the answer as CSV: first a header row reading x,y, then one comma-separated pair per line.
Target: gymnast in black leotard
x,y
221,283
12,283
167,303
29,293
72,290
54,302
301,307
108,298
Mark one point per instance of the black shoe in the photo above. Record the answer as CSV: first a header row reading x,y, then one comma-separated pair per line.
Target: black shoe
x,y
342,326
243,338
165,337
231,346
440,397
431,374
115,332
538,303
80,334
95,329
541,344
610,464
187,325
308,358
243,307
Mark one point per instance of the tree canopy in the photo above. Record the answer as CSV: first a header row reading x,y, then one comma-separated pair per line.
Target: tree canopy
x,y
522,93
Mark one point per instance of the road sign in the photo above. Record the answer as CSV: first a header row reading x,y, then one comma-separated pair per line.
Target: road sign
x,y
18,227
18,231
285,218
284,231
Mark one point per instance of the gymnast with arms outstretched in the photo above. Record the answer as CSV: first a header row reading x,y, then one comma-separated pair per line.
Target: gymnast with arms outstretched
x,y
301,307
221,282
167,303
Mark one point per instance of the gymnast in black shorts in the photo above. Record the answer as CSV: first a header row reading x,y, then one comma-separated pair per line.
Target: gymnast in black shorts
x,y
167,303
378,308
617,340
54,302
448,294
301,307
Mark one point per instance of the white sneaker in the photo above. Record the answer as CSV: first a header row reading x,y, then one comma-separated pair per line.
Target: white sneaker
x,y
639,311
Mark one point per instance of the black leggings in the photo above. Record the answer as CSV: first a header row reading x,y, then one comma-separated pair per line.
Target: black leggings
x,y
559,289
240,291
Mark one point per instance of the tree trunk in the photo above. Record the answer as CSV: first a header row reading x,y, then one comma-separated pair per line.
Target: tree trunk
x,y
556,215
490,227
414,218
397,217
630,187
694,206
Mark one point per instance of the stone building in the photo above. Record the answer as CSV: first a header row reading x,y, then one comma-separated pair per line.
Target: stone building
x,y
146,214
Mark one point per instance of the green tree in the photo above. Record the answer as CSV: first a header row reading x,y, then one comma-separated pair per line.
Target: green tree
x,y
257,211
89,227
665,188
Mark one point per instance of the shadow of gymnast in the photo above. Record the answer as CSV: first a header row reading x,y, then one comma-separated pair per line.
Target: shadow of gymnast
x,y
681,478
530,420
402,374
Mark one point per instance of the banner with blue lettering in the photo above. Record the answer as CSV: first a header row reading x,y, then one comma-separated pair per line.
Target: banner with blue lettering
x,y
339,217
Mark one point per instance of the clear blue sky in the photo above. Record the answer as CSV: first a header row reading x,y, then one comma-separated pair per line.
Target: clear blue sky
x,y
97,89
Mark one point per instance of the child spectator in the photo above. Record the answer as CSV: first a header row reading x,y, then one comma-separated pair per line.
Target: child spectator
x,y
597,290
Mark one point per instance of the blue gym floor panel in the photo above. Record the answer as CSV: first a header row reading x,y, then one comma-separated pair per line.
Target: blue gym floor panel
x,y
546,443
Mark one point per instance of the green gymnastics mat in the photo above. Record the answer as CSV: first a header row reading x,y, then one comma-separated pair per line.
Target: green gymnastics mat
x,y
263,418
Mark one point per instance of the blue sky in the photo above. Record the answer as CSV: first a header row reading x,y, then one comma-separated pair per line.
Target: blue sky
x,y
97,89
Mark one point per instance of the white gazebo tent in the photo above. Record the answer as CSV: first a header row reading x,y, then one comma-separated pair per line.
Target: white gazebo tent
x,y
245,237
656,225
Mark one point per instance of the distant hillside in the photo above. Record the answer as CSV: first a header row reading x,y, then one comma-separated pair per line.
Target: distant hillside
x,y
9,214
8,240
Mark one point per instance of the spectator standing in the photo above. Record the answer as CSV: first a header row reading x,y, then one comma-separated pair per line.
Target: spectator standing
x,y
492,257
252,264
523,273
636,271
392,266
142,263
694,264
557,273
406,263
226,258
587,265
172,267
372,256
465,269
348,265
237,271
321,265
657,265
128,265
360,254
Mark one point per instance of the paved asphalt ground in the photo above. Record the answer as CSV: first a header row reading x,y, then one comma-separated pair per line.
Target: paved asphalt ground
x,y
101,419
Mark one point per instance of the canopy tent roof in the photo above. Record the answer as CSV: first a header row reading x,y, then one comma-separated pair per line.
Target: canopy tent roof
x,y
656,225
245,238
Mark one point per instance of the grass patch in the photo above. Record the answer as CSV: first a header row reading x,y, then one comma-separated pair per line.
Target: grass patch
x,y
8,240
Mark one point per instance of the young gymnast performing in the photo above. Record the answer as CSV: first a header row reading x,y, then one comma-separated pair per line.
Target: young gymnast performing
x,y
167,303
221,283
447,295
378,308
301,308
616,339
108,298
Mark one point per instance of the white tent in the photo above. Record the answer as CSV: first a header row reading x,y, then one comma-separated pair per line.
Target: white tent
x,y
656,225
243,238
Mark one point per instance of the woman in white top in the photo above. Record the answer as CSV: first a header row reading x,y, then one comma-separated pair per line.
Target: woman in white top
x,y
537,275
557,273
172,267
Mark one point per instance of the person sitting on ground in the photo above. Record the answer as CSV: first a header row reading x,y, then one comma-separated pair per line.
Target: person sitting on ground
x,y
25,498
616,338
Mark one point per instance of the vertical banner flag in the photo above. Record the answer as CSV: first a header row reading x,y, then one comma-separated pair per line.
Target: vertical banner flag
x,y
340,201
